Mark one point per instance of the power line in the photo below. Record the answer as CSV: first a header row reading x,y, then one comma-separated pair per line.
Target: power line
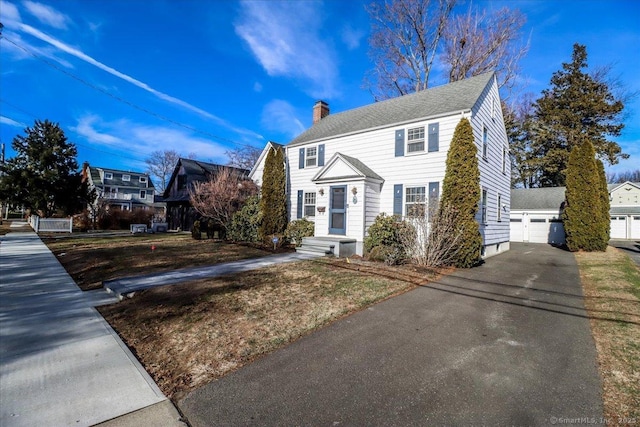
x,y
120,99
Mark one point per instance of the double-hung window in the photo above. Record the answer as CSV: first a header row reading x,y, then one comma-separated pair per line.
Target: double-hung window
x,y
484,206
126,177
485,143
309,204
143,180
108,175
311,157
415,140
143,194
415,202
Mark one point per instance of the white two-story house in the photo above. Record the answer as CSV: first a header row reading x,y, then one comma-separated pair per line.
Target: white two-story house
x,y
390,157
122,190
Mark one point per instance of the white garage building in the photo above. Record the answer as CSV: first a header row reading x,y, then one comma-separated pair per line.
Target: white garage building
x,y
536,213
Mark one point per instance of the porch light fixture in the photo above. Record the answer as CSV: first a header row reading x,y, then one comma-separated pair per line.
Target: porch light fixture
x,y
321,191
354,190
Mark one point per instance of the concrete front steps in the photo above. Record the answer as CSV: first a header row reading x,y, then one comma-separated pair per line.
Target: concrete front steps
x,y
328,246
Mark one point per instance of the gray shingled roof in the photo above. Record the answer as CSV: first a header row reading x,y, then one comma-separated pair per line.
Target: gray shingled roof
x,y
117,181
537,198
458,96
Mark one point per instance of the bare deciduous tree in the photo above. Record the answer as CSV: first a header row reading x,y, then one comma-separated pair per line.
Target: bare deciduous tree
x,y
160,165
222,195
621,177
404,42
478,42
243,157
408,35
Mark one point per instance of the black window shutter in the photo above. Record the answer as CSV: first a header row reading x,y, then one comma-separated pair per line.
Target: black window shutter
x,y
397,200
321,155
434,143
400,143
301,160
299,210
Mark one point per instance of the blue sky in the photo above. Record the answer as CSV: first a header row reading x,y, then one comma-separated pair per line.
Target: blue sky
x,y
124,78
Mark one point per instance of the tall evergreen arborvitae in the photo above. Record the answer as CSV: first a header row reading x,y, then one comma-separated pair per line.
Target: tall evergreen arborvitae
x,y
461,192
273,203
583,216
605,204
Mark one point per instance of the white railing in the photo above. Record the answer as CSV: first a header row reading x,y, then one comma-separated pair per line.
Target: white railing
x,y
51,225
117,196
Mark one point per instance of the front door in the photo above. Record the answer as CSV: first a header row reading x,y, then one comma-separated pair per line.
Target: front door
x,y
338,210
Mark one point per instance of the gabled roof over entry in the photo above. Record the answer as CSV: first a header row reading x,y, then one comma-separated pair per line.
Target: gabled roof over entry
x,y
343,167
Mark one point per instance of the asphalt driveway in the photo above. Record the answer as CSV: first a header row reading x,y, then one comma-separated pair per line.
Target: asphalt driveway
x,y
505,343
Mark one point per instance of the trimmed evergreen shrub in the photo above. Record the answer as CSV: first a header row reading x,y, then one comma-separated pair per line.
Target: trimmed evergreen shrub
x,y
298,229
195,230
386,239
246,222
273,202
584,224
461,194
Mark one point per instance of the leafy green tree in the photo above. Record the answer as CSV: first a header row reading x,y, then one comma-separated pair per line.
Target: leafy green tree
x,y
273,201
583,216
577,106
461,194
43,176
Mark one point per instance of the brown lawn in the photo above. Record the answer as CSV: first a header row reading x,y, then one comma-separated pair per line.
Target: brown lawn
x,y
611,283
191,334
92,259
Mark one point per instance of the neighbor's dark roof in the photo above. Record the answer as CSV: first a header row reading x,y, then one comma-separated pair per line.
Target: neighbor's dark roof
x,y
457,96
537,198
134,182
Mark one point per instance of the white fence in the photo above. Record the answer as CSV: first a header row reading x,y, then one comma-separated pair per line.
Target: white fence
x,y
56,225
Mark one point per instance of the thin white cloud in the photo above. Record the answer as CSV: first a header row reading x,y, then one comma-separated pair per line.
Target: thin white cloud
x,y
10,122
351,37
9,12
47,15
257,87
84,57
286,39
19,53
139,139
280,116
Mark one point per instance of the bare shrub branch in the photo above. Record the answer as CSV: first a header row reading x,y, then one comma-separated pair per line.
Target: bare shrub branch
x,y
436,239
222,195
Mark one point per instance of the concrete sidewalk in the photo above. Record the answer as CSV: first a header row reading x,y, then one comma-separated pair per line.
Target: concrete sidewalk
x,y
60,362
129,285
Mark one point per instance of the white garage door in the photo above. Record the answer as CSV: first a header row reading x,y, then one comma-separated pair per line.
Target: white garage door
x,y
635,227
618,227
538,230
515,228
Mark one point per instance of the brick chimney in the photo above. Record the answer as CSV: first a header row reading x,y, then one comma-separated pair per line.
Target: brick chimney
x,y
320,111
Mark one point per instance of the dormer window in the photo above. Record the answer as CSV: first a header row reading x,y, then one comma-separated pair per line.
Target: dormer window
x,y
126,177
311,157
143,180
415,140
108,175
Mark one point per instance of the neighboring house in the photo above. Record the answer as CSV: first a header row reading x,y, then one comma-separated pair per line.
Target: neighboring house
x,y
180,213
258,168
123,190
390,157
536,213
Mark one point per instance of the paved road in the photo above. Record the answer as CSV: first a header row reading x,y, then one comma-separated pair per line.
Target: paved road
x,y
61,364
507,343
630,247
